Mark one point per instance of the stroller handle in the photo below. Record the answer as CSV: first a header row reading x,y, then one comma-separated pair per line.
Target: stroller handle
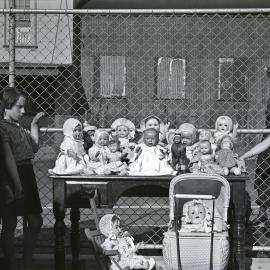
x,y
194,196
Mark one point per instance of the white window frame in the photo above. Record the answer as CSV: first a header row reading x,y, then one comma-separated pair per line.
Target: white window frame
x,y
171,84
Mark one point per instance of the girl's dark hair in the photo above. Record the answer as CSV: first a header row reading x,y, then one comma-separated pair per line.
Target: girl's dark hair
x,y
11,96
115,218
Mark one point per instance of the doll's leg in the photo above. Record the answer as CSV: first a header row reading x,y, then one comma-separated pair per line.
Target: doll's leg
x,y
9,223
34,223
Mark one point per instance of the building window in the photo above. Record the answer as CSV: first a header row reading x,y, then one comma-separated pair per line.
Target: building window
x,y
112,76
171,78
232,79
25,24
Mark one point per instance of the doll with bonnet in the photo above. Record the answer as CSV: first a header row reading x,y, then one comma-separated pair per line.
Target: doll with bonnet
x,y
224,126
124,131
72,158
99,155
152,121
122,242
196,217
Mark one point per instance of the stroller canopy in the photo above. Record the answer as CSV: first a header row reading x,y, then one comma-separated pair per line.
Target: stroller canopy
x,y
201,184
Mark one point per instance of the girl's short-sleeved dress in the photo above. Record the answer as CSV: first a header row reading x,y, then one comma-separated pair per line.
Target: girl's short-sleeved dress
x,y
23,148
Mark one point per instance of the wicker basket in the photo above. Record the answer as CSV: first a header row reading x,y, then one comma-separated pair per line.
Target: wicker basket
x,y
195,251
195,247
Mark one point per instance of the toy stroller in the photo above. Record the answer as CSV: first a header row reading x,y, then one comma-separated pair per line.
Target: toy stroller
x,y
197,237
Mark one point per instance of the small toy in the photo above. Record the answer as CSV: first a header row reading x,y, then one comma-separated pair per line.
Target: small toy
x,y
226,158
123,242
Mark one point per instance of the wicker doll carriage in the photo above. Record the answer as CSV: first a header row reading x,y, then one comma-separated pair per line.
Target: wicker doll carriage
x,y
187,246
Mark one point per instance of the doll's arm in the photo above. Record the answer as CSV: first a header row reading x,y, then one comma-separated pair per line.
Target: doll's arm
x,y
234,132
257,149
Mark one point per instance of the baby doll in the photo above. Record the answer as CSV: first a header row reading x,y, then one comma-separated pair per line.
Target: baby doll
x,y
206,162
72,158
124,131
179,160
188,134
88,136
224,126
226,158
196,217
152,121
116,239
115,156
150,158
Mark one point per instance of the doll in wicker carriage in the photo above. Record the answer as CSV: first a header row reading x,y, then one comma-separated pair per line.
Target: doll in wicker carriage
x,y
123,243
196,217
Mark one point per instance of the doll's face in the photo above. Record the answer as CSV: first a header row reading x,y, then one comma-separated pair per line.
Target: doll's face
x,y
205,147
187,137
116,228
196,213
150,138
223,125
77,132
226,143
205,135
103,140
114,147
177,139
122,131
152,123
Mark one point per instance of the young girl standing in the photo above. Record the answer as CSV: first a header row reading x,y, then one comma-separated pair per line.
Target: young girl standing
x,y
23,145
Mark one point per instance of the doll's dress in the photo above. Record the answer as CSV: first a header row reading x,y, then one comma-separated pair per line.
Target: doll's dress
x,y
150,161
226,158
102,166
127,252
66,165
115,164
207,165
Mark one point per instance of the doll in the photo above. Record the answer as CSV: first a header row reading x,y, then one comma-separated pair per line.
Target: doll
x,y
115,156
123,243
224,126
196,217
206,162
99,153
88,136
72,158
150,158
188,134
124,131
152,121
225,157
179,160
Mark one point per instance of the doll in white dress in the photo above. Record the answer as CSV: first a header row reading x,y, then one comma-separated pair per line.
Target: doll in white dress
x,y
72,158
123,244
150,158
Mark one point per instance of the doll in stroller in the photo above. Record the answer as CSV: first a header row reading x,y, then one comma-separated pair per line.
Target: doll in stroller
x,y
197,236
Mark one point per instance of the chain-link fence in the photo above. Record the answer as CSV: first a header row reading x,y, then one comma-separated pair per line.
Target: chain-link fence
x,y
183,67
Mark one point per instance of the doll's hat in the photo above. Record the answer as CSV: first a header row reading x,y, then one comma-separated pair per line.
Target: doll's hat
x,y
105,224
69,126
150,116
122,122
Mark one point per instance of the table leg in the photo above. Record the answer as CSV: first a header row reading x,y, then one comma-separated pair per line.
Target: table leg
x,y
238,225
75,236
59,233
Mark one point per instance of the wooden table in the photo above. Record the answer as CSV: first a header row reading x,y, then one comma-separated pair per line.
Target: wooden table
x,y
70,192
